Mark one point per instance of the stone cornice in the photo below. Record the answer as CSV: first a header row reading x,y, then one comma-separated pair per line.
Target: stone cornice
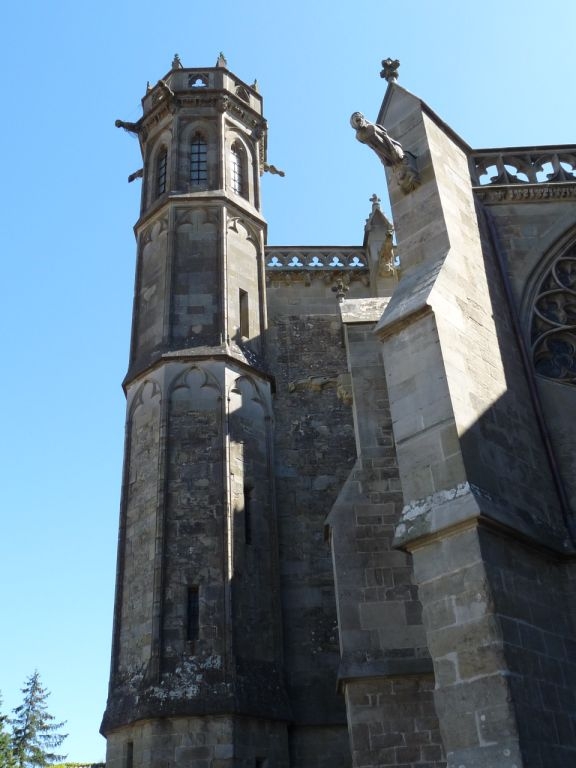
x,y
219,100
525,193
307,275
230,354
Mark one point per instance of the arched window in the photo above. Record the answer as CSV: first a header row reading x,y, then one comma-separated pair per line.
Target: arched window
x,y
238,179
198,161
161,169
554,321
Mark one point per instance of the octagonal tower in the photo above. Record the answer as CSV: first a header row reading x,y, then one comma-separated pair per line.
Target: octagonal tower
x,y
196,674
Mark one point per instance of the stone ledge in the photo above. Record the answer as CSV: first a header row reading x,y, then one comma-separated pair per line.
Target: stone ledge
x,y
467,505
360,669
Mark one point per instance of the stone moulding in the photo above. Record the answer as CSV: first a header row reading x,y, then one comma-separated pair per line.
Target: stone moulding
x,y
467,506
354,669
294,265
529,193
337,278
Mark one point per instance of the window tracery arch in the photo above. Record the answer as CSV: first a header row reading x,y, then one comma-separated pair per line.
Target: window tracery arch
x,y
553,331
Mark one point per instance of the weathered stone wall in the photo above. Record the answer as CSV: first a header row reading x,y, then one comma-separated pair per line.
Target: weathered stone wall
x,y
393,723
184,530
473,698
195,295
255,596
148,322
385,671
319,746
243,267
497,610
133,643
534,600
206,742
195,535
314,451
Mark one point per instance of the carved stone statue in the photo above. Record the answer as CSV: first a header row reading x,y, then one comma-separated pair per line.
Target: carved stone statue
x,y
130,127
376,137
388,150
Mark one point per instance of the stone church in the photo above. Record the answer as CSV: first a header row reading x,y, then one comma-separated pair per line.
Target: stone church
x,y
347,522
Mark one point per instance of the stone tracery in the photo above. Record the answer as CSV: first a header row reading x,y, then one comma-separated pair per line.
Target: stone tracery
x,y
554,321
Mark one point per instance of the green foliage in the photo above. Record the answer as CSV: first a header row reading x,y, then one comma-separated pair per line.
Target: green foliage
x,y
6,754
35,735
79,765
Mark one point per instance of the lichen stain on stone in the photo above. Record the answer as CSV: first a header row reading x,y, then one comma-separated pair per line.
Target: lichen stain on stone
x,y
423,506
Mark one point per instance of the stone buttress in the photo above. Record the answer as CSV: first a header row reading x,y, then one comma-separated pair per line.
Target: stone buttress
x,y
484,478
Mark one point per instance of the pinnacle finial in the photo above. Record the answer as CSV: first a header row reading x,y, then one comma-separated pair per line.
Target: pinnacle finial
x,y
390,70
375,200
176,63
221,62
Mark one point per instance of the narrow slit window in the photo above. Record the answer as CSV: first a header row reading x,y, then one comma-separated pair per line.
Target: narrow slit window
x,y
248,514
238,180
192,614
198,161
130,754
161,168
244,314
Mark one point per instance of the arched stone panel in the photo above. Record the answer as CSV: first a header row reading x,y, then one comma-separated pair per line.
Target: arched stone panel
x,y
205,129
235,139
161,144
244,263
194,525
254,536
139,514
196,282
151,288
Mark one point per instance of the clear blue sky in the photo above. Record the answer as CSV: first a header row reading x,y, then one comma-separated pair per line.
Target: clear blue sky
x,y
500,73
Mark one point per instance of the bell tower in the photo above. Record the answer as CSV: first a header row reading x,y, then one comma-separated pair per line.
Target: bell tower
x,y
196,673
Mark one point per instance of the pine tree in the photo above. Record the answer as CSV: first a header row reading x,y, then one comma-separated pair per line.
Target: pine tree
x,y
34,732
6,754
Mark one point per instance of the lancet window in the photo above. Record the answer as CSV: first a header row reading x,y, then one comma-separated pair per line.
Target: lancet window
x,y
161,170
198,161
238,170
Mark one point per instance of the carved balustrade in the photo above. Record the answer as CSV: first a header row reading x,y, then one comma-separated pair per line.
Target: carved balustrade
x,y
279,258
523,165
